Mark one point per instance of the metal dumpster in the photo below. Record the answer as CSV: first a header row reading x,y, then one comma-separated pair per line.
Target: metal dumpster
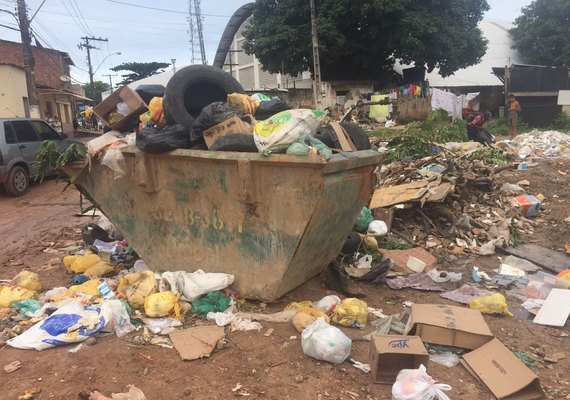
x,y
273,222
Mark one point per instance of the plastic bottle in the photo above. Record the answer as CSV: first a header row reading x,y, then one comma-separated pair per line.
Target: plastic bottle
x,y
105,290
476,277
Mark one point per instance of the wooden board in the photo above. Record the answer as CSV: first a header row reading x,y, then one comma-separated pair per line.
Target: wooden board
x,y
555,310
550,260
419,191
344,140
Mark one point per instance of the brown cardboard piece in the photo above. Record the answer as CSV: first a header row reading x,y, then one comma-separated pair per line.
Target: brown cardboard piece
x,y
448,325
391,353
502,372
124,94
194,343
231,125
425,190
401,257
345,141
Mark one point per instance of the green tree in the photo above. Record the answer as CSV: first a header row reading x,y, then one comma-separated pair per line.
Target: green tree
x,y
139,70
361,39
94,91
542,33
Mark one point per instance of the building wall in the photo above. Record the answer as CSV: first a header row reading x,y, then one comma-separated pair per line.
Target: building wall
x,y
12,91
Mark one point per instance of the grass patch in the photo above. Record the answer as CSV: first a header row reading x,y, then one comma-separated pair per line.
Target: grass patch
x,y
561,123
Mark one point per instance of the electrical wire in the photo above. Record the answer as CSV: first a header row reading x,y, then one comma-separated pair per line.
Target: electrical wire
x,y
164,10
74,20
80,16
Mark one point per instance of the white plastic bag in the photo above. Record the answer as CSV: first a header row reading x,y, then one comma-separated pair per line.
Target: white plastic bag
x,y
115,161
282,129
193,284
117,316
327,304
377,228
416,384
322,341
72,323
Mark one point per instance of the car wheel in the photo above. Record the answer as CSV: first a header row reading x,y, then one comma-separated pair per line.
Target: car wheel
x,y
192,88
18,182
356,133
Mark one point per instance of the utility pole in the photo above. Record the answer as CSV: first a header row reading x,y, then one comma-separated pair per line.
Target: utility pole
x,y
28,58
86,45
110,80
316,62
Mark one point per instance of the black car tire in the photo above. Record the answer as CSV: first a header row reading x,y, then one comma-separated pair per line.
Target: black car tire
x,y
18,182
192,88
239,142
356,133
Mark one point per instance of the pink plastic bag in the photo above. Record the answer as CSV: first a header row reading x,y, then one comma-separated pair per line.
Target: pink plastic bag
x,y
416,384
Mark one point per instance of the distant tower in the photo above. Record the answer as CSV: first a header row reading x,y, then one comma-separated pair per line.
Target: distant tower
x,y
196,33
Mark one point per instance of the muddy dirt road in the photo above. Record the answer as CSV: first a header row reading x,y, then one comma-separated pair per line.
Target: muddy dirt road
x,y
271,367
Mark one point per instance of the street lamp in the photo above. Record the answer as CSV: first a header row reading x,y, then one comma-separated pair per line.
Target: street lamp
x,y
109,55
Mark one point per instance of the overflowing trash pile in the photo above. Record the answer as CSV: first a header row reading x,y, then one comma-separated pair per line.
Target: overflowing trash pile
x,y
547,144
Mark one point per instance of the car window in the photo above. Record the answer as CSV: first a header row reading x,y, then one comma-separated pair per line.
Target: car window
x,y
45,131
9,133
25,131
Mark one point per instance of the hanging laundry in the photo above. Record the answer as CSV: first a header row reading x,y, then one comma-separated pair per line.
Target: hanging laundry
x,y
448,102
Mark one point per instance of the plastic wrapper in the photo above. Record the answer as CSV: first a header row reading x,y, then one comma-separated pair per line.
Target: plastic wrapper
x,y
194,284
493,304
156,111
351,313
364,220
270,107
322,341
136,287
306,317
416,384
28,280
299,305
80,264
213,302
13,294
162,304
278,132
309,145
327,304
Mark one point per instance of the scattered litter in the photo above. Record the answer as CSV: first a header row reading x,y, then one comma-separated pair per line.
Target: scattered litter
x,y
555,310
555,357
327,304
13,366
520,264
507,280
401,258
361,366
351,312
417,384
306,317
419,281
322,341
444,276
269,332
525,358
492,304
533,305
75,349
447,359
161,326
30,394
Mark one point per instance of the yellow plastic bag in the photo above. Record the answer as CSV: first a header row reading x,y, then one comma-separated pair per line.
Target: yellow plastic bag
x,y
351,312
493,304
68,261
98,270
243,103
162,304
80,264
89,288
136,287
299,305
306,317
13,294
28,280
156,113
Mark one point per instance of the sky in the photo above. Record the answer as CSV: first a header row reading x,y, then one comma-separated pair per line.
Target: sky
x,y
142,34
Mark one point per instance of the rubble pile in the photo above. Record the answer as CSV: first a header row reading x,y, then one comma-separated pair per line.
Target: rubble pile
x,y
545,143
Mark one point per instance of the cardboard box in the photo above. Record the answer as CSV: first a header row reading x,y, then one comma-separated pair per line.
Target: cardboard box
x,y
391,353
502,372
448,325
230,125
529,205
124,94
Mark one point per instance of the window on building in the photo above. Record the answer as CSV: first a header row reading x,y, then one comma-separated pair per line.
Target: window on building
x,y
25,131
45,131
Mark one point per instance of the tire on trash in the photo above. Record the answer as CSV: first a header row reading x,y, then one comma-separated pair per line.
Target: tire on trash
x,y
18,181
356,133
239,142
192,88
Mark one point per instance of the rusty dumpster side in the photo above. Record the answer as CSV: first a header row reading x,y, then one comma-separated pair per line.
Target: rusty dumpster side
x,y
273,222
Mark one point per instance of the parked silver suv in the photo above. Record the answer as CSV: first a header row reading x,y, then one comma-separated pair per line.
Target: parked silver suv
x,y
20,139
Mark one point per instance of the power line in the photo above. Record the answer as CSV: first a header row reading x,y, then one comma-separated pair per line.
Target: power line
x,y
162,9
80,15
74,20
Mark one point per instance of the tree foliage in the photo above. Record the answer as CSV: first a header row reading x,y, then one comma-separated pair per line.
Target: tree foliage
x,y
139,70
361,39
542,33
94,91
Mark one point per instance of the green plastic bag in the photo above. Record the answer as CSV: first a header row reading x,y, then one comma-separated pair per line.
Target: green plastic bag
x,y
212,302
306,143
260,97
26,308
364,219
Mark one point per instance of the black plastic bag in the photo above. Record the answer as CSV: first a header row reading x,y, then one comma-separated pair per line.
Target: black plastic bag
x,y
271,107
154,141
147,92
211,115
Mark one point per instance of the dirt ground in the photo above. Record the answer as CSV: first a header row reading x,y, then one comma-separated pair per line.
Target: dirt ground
x,y
271,367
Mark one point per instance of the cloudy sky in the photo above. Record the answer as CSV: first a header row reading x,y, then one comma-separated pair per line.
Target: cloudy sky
x,y
142,30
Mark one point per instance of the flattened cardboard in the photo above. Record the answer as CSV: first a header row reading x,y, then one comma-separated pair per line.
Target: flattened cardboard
x,y
553,261
194,343
425,190
401,258
231,125
502,372
555,310
391,353
124,94
448,325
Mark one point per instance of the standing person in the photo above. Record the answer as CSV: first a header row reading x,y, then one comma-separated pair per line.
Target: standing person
x,y
514,110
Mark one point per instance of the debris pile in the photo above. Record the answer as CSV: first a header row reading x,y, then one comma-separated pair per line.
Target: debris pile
x,y
547,144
